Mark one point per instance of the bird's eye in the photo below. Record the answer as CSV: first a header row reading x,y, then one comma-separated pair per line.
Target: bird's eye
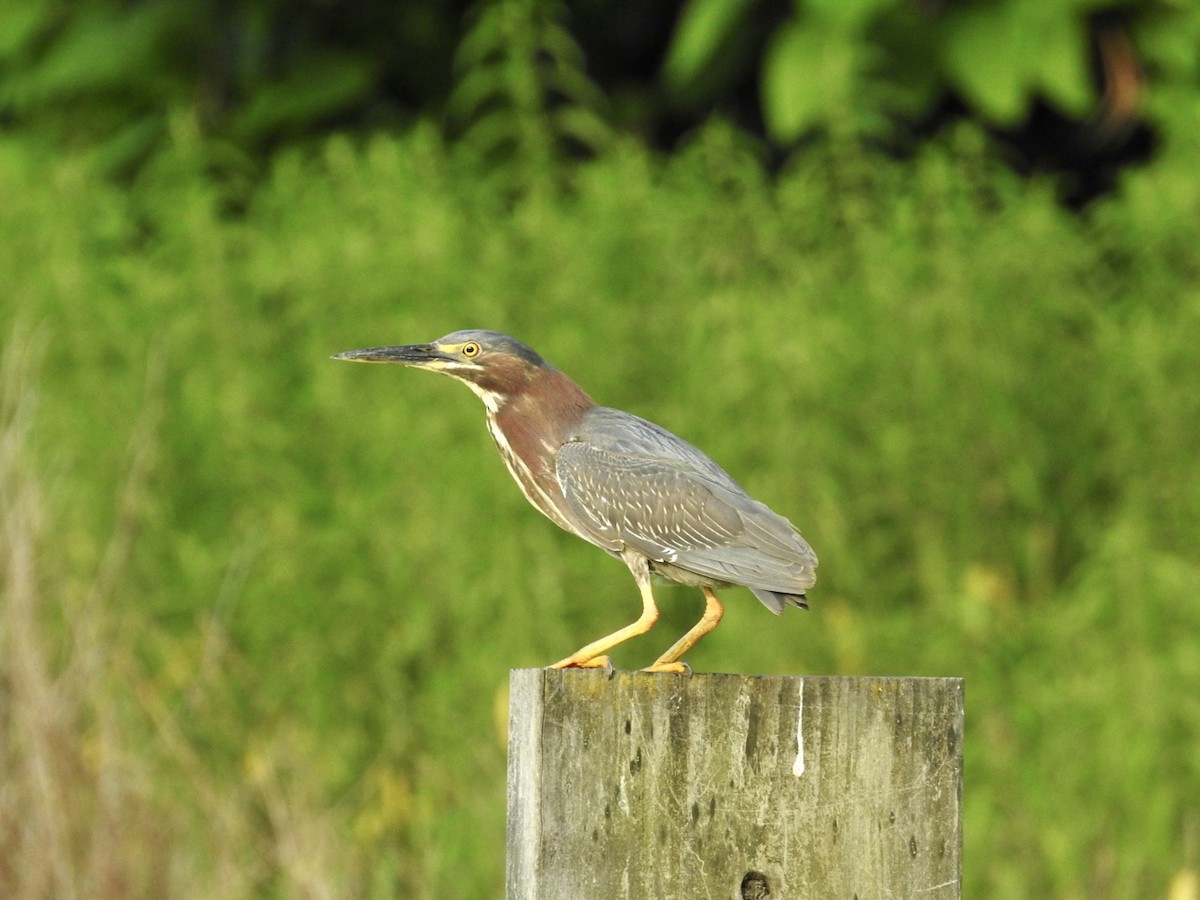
x,y
470,350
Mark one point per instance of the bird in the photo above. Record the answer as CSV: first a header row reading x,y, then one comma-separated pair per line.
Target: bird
x,y
622,483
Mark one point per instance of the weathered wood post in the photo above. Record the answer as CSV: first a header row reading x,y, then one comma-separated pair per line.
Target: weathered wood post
x,y
653,787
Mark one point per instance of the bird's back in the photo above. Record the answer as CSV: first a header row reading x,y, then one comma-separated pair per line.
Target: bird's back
x,y
634,484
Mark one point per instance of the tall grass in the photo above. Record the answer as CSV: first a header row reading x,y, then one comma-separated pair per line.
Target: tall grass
x,y
266,604
103,795
71,820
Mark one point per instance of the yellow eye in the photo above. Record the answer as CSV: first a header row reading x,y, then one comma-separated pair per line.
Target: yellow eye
x,y
470,350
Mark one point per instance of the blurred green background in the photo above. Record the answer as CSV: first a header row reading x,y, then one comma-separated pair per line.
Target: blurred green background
x,y
925,277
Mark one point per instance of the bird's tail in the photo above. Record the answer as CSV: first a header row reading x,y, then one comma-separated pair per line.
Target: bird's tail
x,y
775,601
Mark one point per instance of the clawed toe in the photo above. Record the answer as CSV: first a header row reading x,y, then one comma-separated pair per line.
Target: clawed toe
x,y
674,668
596,662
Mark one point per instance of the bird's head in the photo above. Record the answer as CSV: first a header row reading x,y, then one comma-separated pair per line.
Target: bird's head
x,y
494,365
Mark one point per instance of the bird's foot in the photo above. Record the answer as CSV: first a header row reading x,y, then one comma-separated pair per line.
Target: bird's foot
x,y
674,668
595,662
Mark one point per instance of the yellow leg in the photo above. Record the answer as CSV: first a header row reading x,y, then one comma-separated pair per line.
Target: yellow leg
x,y
669,661
593,655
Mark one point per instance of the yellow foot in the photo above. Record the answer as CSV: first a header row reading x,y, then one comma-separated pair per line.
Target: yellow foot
x,y
675,668
596,662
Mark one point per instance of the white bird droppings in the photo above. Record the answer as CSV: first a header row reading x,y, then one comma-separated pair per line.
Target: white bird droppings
x,y
798,765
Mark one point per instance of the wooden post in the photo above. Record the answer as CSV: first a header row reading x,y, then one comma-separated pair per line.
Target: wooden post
x,y
663,787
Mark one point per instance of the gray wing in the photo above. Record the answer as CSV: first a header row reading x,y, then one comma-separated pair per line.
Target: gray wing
x,y
631,483
631,436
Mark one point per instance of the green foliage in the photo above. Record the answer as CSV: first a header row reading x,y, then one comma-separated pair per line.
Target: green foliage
x,y
705,43
1002,55
855,67
523,100
510,81
109,76
982,411
96,75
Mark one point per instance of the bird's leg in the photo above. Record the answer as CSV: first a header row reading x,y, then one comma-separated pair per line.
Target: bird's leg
x,y
669,661
593,655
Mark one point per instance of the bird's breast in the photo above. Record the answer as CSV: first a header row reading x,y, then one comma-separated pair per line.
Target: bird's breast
x,y
530,461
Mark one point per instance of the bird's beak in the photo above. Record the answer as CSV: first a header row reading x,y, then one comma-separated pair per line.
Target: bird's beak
x,y
408,355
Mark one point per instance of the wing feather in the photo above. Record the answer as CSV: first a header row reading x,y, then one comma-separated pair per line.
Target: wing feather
x,y
633,484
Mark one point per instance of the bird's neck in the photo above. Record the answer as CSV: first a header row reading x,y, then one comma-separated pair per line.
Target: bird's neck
x,y
533,422
545,410
529,427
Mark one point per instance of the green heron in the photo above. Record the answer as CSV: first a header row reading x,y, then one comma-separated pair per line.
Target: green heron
x,y
624,484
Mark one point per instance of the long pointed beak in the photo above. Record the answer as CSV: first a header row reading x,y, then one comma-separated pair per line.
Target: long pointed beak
x,y
408,355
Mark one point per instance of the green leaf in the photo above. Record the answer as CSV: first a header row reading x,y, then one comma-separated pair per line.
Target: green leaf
x,y
809,77
491,131
583,126
704,26
20,21
847,15
1169,41
1000,55
102,49
1063,66
322,86
475,89
483,39
984,60
562,46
